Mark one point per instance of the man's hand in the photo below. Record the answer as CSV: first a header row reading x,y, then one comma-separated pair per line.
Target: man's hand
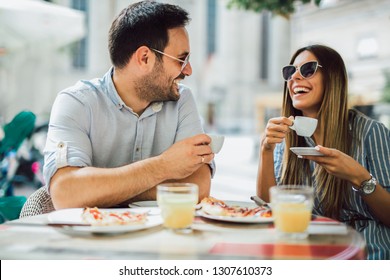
x,y
185,157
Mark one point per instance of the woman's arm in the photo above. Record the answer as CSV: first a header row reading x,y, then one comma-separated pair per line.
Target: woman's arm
x,y
275,132
265,174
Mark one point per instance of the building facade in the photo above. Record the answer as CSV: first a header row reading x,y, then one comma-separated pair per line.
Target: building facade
x,y
236,56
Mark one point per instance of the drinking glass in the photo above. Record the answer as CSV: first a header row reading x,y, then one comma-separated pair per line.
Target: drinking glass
x,y
177,202
292,206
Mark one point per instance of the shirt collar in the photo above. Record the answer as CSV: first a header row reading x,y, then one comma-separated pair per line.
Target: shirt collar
x,y
111,90
309,141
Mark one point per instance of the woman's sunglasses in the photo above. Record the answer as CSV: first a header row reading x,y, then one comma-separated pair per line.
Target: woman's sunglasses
x,y
306,70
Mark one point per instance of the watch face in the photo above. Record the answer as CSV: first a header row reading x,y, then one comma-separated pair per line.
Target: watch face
x,y
369,187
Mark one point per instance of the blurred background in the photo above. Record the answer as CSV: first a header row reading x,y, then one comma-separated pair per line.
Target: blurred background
x,y
236,56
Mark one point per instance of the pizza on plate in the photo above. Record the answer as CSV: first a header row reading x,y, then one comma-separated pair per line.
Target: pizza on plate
x,y
99,217
216,207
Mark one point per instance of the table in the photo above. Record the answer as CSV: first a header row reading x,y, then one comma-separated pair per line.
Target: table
x,y
209,239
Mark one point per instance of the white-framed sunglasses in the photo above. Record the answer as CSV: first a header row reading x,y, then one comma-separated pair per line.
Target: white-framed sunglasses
x,y
183,62
306,70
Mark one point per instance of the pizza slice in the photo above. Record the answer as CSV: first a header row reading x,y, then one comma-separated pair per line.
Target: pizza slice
x,y
98,217
216,207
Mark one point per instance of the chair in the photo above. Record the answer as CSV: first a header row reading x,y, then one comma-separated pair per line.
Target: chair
x,y
39,202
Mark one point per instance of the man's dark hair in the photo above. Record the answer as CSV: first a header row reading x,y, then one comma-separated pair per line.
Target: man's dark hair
x,y
145,23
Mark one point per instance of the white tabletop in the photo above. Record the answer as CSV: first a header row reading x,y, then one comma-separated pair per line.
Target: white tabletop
x,y
209,239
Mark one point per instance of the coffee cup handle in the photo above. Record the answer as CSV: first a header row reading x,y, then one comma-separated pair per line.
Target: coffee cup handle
x,y
292,126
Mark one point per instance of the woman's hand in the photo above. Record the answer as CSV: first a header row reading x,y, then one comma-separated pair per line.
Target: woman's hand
x,y
340,165
275,132
345,167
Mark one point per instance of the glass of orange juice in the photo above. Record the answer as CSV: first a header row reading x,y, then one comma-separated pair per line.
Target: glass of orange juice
x,y
292,206
177,202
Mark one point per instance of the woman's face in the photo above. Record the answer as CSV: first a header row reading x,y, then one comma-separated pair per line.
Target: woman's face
x,y
306,94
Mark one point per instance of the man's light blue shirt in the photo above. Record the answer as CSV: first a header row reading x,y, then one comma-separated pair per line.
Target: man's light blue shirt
x,y
91,126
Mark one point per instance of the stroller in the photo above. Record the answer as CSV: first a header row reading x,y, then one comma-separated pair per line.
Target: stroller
x,y
15,133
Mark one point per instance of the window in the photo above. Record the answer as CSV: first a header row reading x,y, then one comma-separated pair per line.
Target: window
x,y
264,45
80,48
211,26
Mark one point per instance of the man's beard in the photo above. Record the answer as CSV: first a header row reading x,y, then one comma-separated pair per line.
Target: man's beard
x,y
152,88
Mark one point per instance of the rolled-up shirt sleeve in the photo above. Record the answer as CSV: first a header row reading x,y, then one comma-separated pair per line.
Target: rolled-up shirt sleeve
x,y
67,141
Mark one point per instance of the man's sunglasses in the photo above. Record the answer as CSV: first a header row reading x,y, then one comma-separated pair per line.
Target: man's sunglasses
x,y
306,70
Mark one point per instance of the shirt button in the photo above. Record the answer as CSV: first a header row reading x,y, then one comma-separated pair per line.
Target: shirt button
x,y
156,107
137,149
60,144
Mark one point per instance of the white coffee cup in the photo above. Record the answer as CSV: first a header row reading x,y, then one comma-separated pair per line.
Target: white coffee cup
x,y
216,142
304,126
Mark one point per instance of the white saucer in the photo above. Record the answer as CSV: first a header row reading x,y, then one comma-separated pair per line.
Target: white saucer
x,y
306,151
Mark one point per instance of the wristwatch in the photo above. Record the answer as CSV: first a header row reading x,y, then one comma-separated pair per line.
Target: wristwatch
x,y
366,187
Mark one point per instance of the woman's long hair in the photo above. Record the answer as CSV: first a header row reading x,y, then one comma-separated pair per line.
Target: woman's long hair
x,y
332,192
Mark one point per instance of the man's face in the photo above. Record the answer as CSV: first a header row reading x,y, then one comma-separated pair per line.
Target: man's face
x,y
162,84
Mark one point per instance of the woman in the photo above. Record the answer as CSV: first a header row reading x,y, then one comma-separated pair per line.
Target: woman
x,y
352,179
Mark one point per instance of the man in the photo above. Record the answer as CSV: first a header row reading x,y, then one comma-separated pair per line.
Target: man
x,y
112,140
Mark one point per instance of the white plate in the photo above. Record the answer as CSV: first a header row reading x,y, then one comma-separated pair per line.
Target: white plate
x,y
73,215
249,220
305,151
147,203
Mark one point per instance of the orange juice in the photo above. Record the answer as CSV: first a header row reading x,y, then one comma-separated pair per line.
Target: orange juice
x,y
177,210
291,217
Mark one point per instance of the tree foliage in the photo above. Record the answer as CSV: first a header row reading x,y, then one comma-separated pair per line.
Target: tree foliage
x,y
386,88
279,7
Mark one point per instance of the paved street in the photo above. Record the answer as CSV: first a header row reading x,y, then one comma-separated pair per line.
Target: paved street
x,y
235,178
